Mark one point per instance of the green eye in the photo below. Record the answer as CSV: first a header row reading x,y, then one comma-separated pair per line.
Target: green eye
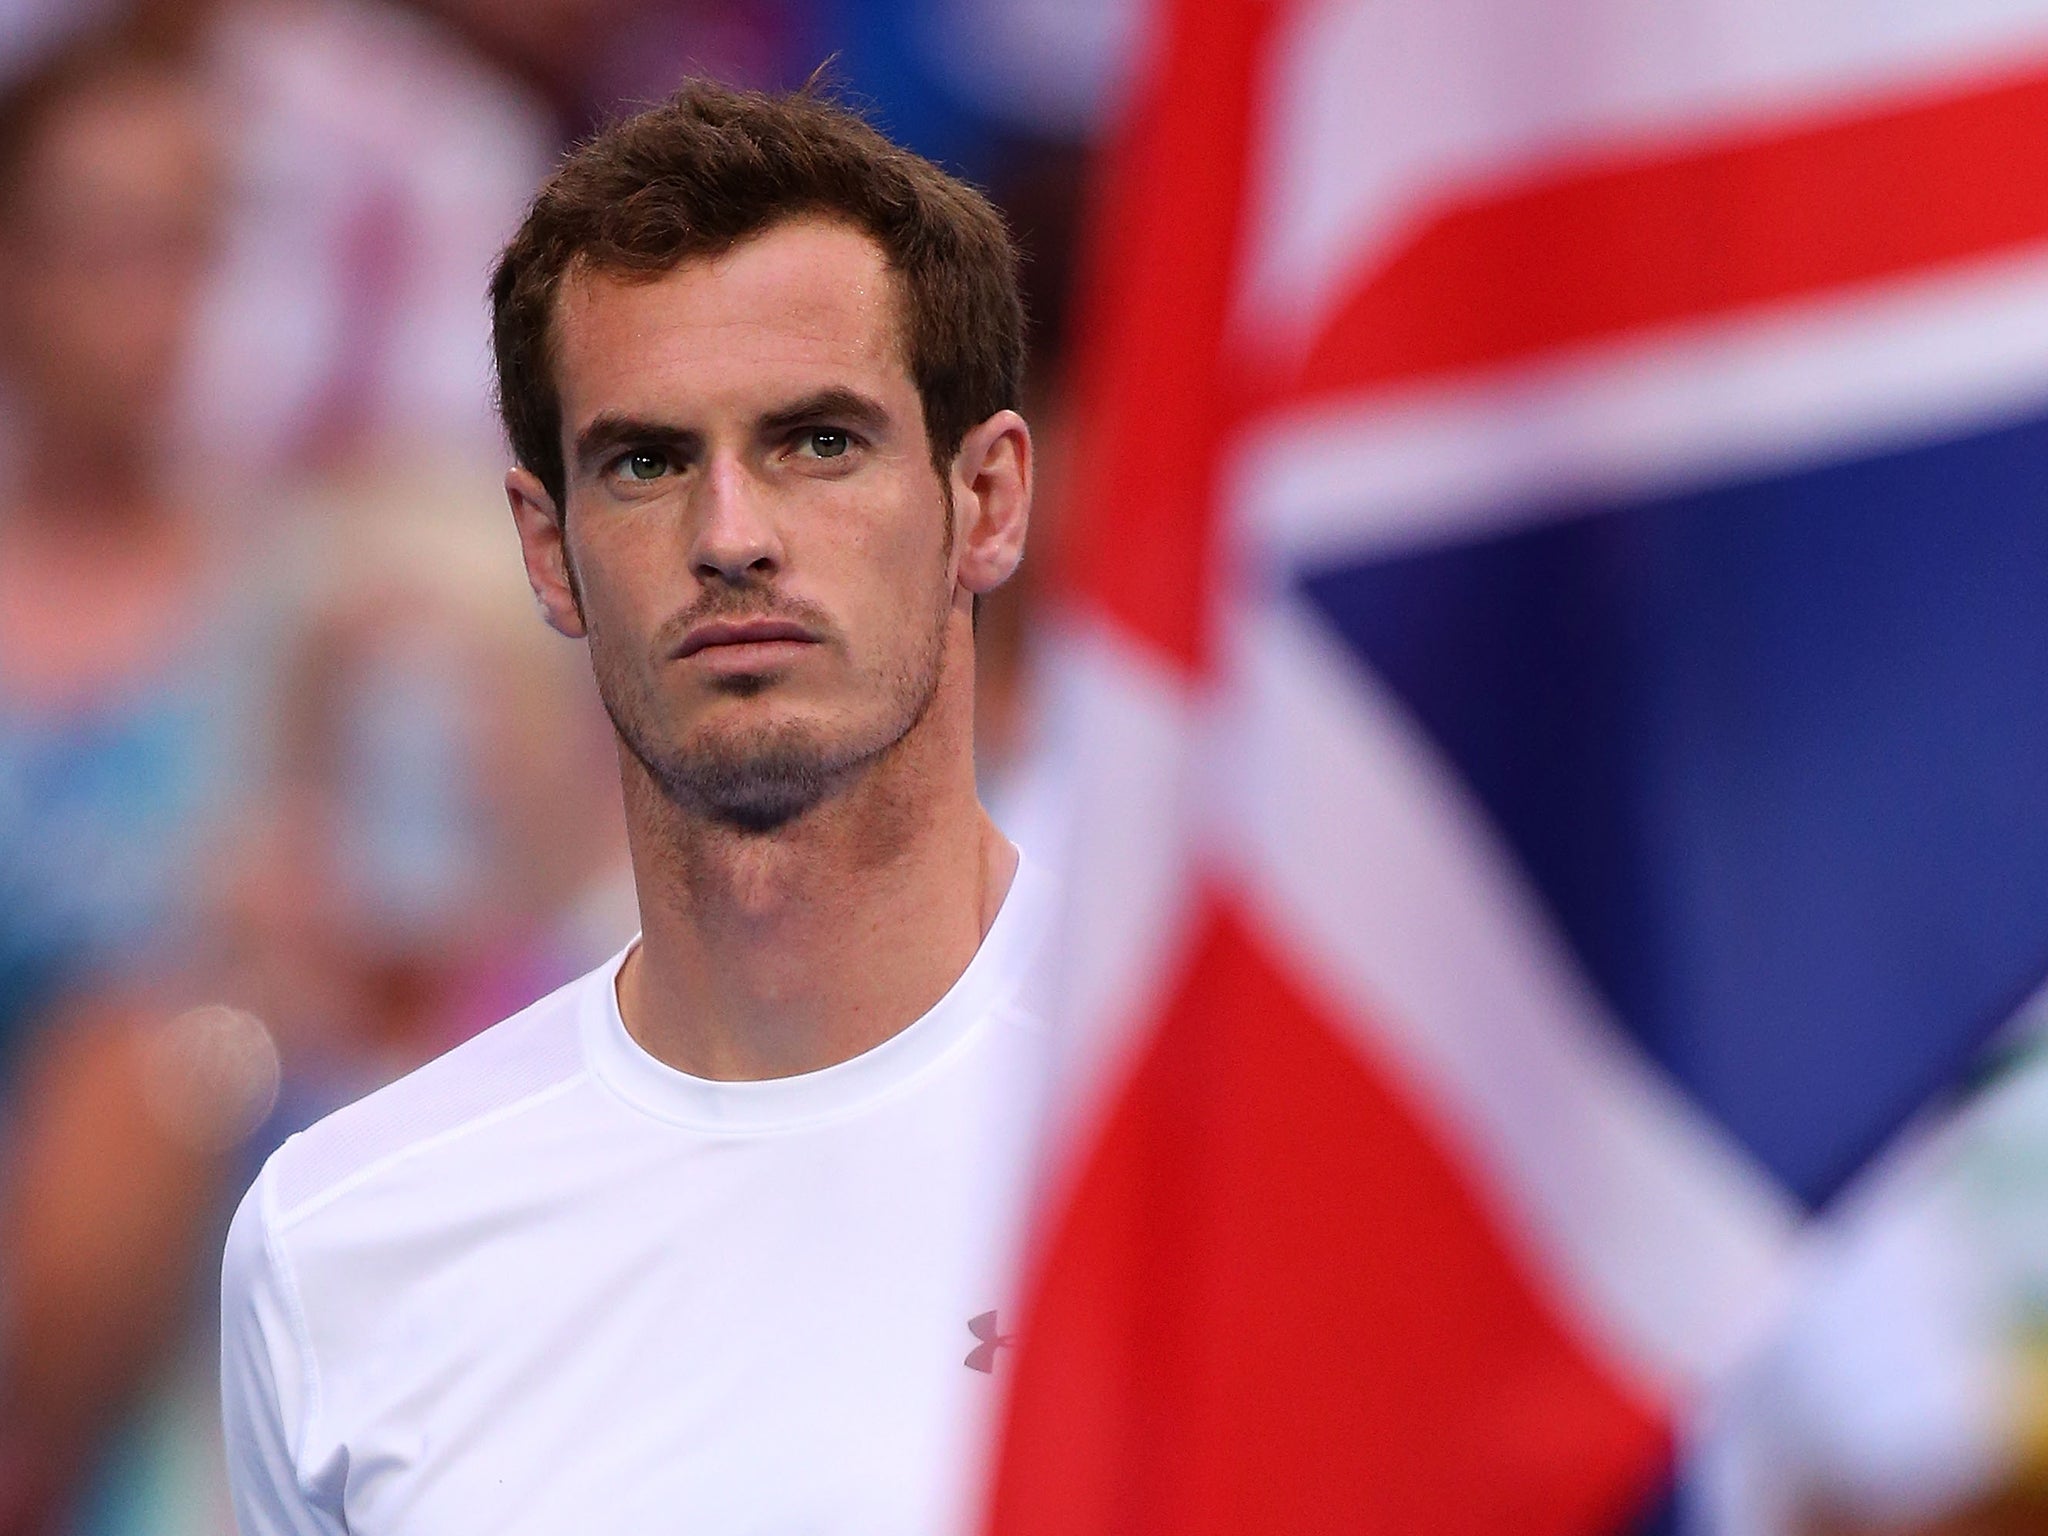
x,y
644,464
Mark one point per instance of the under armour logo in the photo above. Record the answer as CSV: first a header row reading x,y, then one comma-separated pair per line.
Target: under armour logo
x,y
983,1356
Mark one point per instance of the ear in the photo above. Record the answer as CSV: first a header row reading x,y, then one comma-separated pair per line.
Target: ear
x,y
543,547
991,501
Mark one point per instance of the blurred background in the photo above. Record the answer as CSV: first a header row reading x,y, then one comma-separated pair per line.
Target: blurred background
x,y
1747,675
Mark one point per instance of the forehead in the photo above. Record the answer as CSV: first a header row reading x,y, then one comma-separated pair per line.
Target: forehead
x,y
805,305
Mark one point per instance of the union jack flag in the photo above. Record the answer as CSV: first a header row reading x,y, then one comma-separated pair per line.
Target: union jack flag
x,y
1558,686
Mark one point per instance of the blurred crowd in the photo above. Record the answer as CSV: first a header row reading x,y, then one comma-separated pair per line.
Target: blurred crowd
x,y
295,789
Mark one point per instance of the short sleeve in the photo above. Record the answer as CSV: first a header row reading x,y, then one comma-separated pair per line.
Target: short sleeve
x,y
265,1390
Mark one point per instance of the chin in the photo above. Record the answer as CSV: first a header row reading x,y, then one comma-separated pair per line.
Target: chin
x,y
745,685
755,777
764,720
756,756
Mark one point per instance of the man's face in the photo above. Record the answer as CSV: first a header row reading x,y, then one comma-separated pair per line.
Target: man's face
x,y
759,542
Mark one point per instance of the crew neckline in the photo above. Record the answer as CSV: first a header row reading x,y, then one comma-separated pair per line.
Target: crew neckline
x,y
991,979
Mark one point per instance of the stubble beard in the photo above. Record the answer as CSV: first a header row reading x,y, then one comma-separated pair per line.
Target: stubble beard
x,y
757,782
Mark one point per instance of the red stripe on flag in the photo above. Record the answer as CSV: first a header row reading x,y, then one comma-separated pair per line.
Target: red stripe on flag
x,y
1273,1305
1592,252
1156,394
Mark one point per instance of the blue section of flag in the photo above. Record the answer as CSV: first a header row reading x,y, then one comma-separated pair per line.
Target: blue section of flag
x,y
1776,751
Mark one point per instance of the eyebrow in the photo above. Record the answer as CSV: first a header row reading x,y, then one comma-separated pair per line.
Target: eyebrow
x,y
836,404
612,430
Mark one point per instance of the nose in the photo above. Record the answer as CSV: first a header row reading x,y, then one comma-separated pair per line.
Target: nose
x,y
734,539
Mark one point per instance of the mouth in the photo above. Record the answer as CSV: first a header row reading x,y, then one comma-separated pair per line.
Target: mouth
x,y
724,634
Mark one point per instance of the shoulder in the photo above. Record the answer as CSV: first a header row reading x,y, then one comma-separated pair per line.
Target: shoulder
x,y
490,1080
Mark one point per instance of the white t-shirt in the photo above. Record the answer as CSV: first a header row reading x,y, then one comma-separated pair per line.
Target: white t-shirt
x,y
547,1284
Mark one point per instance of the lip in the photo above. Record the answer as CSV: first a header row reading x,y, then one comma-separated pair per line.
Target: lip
x,y
724,632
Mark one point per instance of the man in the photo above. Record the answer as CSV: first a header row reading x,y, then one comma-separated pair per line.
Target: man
x,y
710,1239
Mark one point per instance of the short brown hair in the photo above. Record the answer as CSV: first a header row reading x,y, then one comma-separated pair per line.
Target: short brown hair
x,y
712,166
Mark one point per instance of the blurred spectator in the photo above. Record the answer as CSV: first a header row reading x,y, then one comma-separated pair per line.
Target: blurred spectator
x,y
378,167
121,693
127,695
375,163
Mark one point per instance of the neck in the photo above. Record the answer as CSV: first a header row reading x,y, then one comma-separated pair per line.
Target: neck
x,y
774,954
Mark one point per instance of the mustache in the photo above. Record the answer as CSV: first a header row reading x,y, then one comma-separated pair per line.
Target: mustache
x,y
732,605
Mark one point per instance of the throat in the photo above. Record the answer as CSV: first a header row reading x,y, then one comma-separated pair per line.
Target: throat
x,y
771,961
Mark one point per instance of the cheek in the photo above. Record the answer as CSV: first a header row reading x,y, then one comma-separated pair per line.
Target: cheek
x,y
611,627
899,578
619,568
